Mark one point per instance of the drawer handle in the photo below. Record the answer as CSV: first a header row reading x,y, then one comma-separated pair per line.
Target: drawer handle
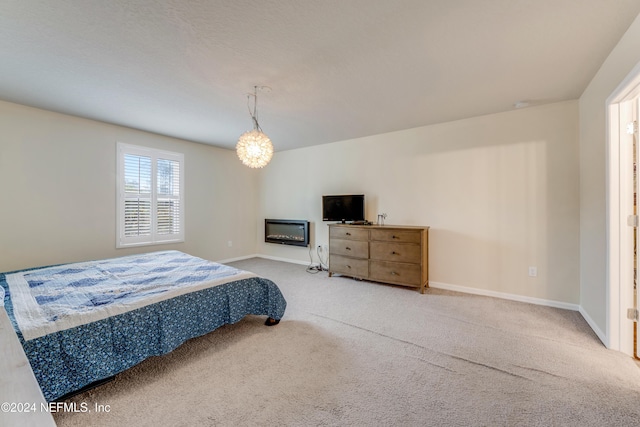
x,y
393,273
394,237
394,253
347,233
348,248
348,266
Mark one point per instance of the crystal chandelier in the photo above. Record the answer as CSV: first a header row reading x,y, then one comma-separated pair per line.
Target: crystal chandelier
x,y
254,148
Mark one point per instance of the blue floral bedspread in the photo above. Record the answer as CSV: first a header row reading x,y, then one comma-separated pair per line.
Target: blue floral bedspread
x,y
89,321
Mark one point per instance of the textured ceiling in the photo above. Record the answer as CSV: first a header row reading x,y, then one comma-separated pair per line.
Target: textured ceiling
x,y
338,69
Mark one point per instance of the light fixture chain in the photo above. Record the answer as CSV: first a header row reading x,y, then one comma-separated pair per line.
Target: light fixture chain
x,y
255,106
254,114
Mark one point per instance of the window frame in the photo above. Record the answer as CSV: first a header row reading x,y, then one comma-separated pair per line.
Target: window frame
x,y
154,238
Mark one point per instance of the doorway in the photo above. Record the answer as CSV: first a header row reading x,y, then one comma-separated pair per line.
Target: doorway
x,y
623,108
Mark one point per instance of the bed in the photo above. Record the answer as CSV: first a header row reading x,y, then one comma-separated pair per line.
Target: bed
x,y
84,322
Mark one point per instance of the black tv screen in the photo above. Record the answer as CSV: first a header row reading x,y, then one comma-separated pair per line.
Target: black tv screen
x,y
343,208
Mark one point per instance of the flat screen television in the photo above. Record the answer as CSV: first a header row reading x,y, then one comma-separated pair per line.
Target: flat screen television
x,y
343,208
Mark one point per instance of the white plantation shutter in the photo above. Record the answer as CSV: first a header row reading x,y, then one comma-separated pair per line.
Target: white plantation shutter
x,y
150,196
137,217
168,206
137,197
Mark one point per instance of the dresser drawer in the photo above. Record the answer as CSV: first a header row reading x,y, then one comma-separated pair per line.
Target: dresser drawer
x,y
353,248
351,233
349,266
398,236
395,272
398,252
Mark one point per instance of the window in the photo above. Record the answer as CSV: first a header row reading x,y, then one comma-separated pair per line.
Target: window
x,y
150,196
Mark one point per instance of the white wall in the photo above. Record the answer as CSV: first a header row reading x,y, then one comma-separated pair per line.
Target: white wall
x,y
593,178
500,193
58,201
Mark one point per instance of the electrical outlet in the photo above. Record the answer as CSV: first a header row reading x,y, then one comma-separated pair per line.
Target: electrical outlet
x,y
533,271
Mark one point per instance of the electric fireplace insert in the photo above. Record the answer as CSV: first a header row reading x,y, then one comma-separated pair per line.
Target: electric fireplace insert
x,y
286,231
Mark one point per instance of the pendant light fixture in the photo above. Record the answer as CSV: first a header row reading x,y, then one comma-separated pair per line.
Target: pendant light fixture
x,y
254,148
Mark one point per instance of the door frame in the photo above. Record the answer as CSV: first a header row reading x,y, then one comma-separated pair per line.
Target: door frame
x,y
619,286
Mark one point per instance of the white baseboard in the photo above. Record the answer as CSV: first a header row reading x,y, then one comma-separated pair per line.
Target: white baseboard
x,y
273,258
447,286
503,295
292,261
601,335
240,258
475,291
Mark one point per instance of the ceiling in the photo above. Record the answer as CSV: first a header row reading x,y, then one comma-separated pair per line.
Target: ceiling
x,y
338,69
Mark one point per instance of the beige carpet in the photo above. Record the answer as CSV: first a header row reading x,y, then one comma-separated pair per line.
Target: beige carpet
x,y
357,353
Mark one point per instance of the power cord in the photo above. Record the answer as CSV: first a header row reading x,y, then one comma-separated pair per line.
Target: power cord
x,y
316,268
324,265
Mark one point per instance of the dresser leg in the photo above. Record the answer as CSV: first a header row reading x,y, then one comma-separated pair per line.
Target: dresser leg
x,y
424,287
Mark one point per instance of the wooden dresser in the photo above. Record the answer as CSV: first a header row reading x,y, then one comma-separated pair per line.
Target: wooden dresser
x,y
385,253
